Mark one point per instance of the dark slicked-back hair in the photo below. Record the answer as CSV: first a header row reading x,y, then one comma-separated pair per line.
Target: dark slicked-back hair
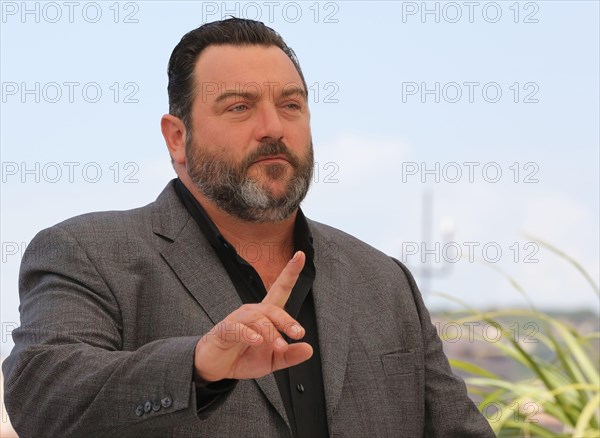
x,y
233,31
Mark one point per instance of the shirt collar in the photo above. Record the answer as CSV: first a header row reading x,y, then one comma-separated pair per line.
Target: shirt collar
x,y
303,240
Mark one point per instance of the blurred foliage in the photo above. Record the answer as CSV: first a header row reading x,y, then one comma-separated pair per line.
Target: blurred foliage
x,y
559,395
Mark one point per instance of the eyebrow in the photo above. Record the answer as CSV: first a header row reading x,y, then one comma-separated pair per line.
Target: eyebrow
x,y
294,90
248,95
235,93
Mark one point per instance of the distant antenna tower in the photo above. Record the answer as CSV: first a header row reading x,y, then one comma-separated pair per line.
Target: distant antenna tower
x,y
427,271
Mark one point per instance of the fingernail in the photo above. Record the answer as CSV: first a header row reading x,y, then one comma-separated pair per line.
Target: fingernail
x,y
296,256
298,329
280,342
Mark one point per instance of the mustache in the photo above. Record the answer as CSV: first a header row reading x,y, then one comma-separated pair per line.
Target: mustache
x,y
270,148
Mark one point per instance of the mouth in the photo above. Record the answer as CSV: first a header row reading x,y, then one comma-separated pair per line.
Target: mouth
x,y
272,159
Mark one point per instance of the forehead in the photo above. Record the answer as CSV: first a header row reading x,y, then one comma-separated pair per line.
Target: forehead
x,y
233,67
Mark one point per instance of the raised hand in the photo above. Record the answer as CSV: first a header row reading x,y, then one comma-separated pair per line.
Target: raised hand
x,y
248,344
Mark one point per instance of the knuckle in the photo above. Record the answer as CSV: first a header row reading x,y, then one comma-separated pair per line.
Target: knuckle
x,y
245,308
272,308
248,310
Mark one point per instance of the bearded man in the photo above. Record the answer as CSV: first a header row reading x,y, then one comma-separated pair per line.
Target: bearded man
x,y
220,310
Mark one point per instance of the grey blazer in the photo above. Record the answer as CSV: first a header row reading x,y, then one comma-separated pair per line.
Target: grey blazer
x,y
113,303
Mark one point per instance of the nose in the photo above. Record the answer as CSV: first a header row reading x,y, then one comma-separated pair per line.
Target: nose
x,y
268,123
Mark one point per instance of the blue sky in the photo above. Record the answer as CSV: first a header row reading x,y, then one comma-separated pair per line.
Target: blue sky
x,y
376,129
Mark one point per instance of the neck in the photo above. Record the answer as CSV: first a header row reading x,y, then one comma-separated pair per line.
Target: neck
x,y
258,243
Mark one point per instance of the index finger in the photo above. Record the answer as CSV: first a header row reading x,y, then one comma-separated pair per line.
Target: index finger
x,y
282,288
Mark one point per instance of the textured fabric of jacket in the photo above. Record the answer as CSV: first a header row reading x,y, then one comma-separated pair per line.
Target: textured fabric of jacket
x,y
113,304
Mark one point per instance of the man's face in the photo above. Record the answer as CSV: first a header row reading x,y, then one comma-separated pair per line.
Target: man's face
x,y
250,148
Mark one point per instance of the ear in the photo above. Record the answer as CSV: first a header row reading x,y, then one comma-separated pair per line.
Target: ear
x,y
174,132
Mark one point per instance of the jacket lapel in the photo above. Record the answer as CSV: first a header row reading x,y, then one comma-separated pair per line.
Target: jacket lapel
x,y
194,261
333,305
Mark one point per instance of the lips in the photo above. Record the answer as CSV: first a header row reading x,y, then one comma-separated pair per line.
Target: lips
x,y
271,158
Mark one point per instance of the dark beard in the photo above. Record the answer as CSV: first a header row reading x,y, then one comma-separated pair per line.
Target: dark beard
x,y
233,189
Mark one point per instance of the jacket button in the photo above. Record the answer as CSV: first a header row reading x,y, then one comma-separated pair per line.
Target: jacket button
x,y
147,407
156,406
300,388
166,402
139,410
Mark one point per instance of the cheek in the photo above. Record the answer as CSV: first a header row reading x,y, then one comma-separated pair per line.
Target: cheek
x,y
301,142
236,139
298,133
223,143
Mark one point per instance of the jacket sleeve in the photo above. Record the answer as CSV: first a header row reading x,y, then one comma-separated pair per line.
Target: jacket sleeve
x,y
67,375
449,412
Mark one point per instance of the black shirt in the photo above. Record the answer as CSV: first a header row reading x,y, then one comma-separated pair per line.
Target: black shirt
x,y
301,386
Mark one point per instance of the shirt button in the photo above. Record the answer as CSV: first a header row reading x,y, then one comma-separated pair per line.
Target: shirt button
x,y
139,410
300,388
147,407
166,402
156,405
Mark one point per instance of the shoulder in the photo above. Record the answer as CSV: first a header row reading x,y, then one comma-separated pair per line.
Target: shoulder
x,y
346,242
106,227
133,221
353,250
100,226
87,237
110,221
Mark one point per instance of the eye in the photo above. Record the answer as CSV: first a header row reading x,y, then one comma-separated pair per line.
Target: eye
x,y
293,106
238,108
